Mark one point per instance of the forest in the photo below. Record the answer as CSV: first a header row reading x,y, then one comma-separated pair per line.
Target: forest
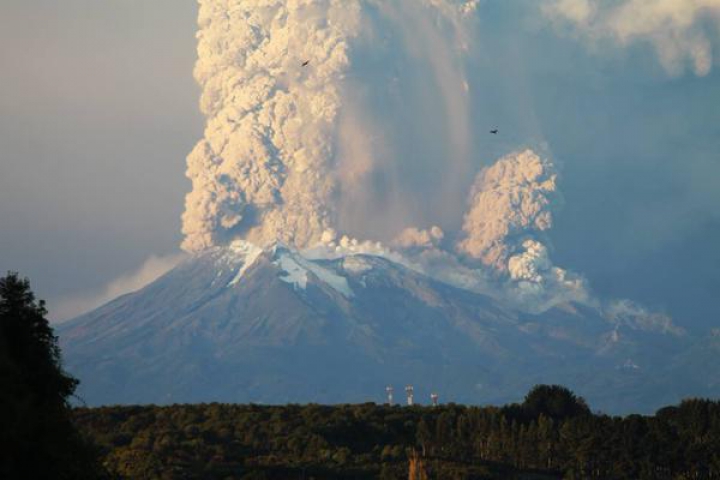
x,y
551,434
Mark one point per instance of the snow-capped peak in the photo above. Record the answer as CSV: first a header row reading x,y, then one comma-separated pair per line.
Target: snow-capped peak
x,y
243,254
296,267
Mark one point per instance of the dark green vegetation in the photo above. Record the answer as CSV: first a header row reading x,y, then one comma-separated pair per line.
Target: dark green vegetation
x,y
552,434
37,437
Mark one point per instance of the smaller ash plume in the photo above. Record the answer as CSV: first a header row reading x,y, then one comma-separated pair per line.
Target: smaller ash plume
x,y
510,206
502,249
510,199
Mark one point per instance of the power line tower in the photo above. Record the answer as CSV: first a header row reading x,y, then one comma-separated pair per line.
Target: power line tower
x,y
389,390
410,395
435,398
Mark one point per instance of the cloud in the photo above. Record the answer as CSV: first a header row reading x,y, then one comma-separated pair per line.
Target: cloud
x,y
630,314
681,31
510,206
262,170
153,268
511,198
282,140
332,125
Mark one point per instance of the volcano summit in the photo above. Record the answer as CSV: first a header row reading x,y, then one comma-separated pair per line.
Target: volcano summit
x,y
241,324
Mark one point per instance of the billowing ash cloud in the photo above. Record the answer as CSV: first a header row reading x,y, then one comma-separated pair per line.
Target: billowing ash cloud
x,y
262,170
681,31
509,199
272,74
509,207
316,134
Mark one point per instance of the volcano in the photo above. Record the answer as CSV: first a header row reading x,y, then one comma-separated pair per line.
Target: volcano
x,y
245,324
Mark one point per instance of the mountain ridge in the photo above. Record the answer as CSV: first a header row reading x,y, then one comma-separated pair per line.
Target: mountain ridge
x,y
244,324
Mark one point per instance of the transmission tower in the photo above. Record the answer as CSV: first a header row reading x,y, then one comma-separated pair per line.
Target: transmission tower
x,y
410,395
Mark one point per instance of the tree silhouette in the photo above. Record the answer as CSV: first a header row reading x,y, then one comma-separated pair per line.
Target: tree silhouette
x,y
38,437
553,401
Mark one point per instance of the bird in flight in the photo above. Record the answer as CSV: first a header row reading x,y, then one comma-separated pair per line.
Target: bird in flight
x,y
306,63
494,131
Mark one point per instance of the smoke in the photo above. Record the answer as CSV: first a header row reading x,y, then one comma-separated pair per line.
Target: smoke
x,y
635,316
409,99
285,138
329,120
510,199
151,269
415,238
270,74
681,31
510,206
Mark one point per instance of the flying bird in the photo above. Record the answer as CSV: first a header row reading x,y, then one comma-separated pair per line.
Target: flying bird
x,y
306,63
494,132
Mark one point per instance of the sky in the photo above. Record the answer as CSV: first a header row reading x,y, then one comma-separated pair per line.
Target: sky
x,y
98,110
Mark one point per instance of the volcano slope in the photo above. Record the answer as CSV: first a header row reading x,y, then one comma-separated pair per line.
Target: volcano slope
x,y
239,324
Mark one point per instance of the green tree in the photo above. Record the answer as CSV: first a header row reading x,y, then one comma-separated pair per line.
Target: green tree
x,y
554,401
37,435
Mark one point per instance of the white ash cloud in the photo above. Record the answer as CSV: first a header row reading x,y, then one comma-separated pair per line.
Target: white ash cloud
x,y
636,317
510,206
312,155
511,198
262,171
681,31
267,168
537,284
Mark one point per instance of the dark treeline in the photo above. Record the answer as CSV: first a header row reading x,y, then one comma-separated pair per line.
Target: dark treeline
x,y
552,434
38,438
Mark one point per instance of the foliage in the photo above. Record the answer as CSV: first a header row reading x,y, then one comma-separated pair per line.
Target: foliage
x,y
37,435
218,441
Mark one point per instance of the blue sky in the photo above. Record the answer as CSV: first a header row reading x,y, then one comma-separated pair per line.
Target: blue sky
x,y
98,110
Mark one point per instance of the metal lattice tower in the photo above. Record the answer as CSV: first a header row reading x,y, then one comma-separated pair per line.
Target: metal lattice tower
x,y
435,398
389,390
410,395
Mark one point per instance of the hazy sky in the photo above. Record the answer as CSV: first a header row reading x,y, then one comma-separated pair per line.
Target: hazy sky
x,y
98,110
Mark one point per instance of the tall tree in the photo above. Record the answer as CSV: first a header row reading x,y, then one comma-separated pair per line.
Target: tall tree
x,y
553,401
37,436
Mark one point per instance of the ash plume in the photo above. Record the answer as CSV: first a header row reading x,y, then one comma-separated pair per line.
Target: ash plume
x,y
261,171
511,198
510,206
311,140
272,76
